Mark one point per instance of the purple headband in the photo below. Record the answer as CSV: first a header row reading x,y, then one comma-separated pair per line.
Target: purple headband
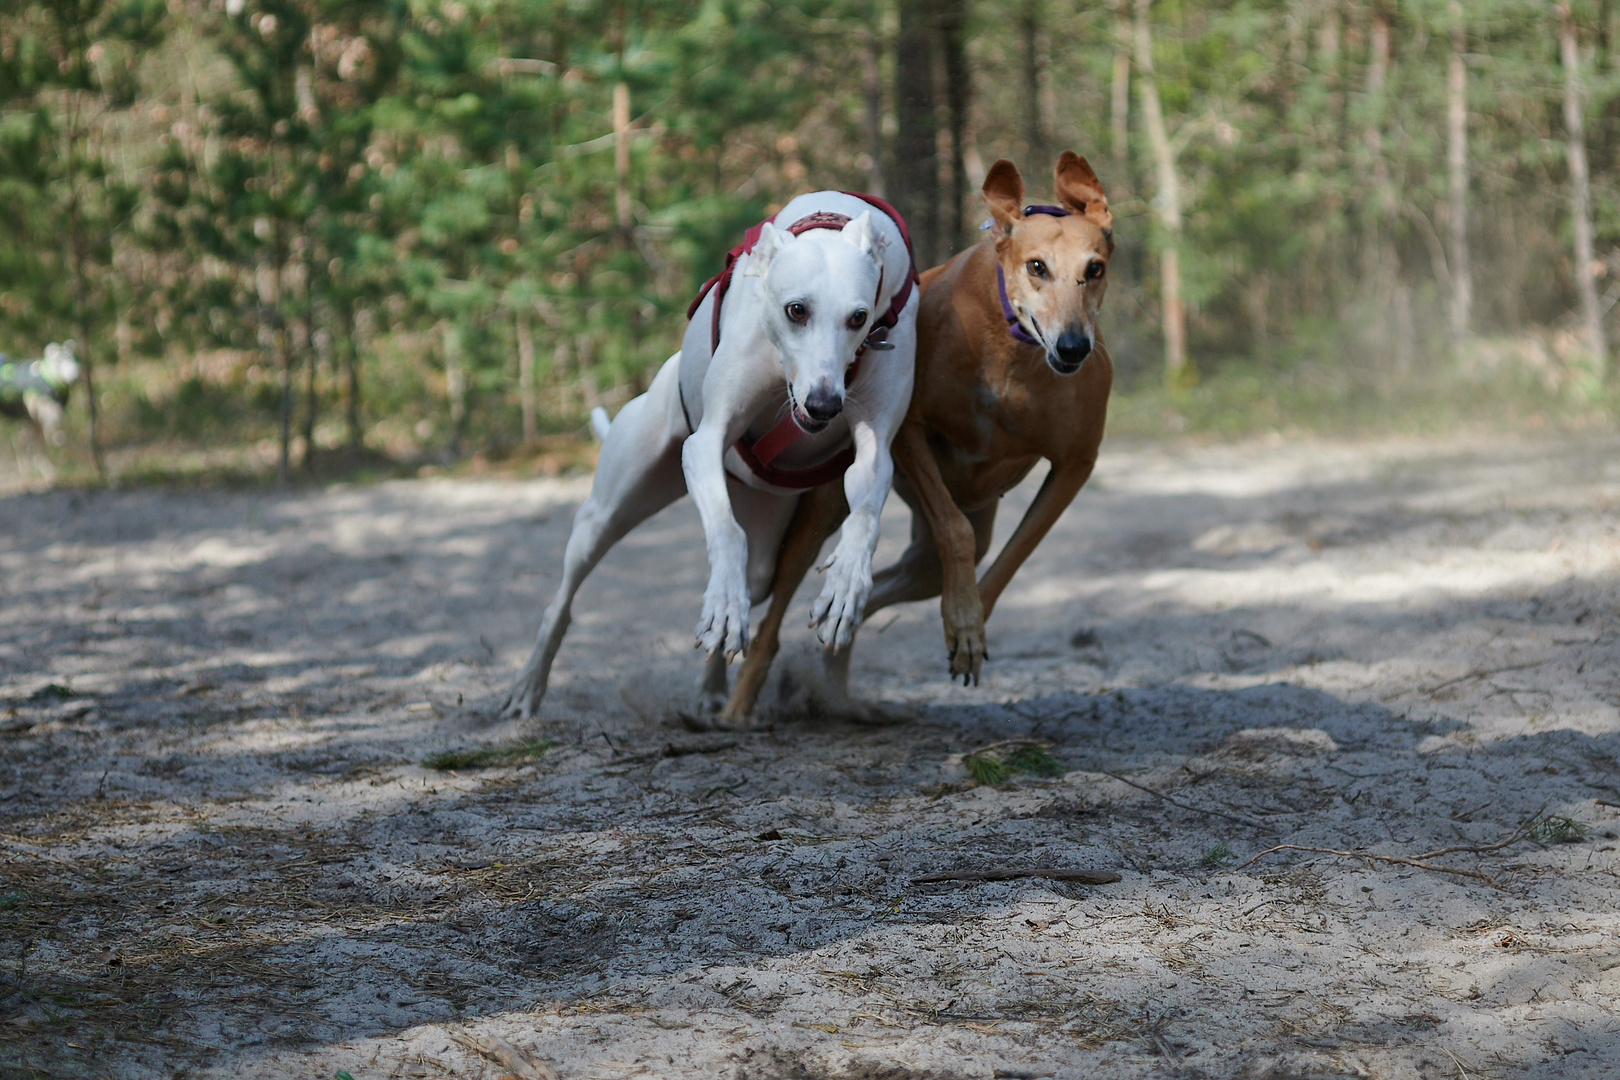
x,y
1014,327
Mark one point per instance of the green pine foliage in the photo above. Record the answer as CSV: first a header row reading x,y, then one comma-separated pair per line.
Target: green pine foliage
x,y
308,224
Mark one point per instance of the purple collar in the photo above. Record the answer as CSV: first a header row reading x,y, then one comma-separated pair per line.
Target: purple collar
x,y
1014,327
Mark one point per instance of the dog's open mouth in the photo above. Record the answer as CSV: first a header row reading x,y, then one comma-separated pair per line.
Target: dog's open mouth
x,y
1065,367
806,424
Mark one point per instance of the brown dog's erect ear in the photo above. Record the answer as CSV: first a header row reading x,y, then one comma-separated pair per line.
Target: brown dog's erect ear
x,y
1004,194
1079,189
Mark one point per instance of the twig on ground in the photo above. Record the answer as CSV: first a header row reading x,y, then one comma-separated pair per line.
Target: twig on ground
x,y
671,750
1523,832
1188,806
1480,673
520,1063
1008,873
1401,859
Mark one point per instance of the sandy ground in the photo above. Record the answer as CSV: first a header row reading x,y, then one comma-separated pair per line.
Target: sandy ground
x,y
221,856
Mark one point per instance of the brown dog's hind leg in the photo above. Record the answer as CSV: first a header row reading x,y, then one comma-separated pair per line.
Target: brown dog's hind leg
x,y
818,515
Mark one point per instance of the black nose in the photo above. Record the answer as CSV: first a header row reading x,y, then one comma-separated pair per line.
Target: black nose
x,y
822,404
1072,349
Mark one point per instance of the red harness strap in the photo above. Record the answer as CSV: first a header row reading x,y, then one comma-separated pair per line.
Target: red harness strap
x,y
759,455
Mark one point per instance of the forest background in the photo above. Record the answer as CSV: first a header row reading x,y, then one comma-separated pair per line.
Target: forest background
x,y
296,234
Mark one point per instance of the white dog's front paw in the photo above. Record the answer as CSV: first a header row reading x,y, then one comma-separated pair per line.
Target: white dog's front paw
x,y
723,626
837,611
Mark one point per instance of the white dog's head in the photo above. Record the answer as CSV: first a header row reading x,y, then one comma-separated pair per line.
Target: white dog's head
x,y
818,290
60,366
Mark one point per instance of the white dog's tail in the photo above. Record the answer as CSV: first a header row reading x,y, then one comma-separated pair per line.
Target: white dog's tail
x,y
599,423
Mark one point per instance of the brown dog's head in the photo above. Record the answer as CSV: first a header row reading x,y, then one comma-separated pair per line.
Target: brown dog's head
x,y
1056,268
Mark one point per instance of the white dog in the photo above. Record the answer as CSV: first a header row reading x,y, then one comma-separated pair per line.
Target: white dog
x,y
819,323
37,390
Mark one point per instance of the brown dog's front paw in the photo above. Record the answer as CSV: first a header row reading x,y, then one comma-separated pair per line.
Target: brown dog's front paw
x,y
965,641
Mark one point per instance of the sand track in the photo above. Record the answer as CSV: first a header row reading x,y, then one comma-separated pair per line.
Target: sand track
x,y
220,854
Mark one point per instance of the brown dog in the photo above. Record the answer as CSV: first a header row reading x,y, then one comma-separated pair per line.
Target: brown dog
x,y
1009,370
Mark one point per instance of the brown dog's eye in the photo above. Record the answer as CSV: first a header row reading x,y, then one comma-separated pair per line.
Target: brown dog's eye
x,y
1096,270
797,312
857,320
1036,268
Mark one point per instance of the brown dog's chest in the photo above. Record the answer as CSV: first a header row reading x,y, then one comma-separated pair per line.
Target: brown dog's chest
x,y
990,430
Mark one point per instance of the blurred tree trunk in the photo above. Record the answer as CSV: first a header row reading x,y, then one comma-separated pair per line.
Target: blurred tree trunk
x,y
273,332
73,54
952,18
526,399
1166,205
621,156
1579,190
77,244
916,147
872,93
1029,33
309,341
1383,191
1119,113
455,381
1462,289
1380,270
350,325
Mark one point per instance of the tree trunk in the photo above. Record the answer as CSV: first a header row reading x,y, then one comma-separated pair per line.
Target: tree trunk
x,y
526,399
273,338
916,146
351,363
311,336
1119,114
1029,33
1328,48
455,382
1380,263
81,322
621,156
1167,205
78,247
1462,288
958,83
1377,270
872,92
1579,191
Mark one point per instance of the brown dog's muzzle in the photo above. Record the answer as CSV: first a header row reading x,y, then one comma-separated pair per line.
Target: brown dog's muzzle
x,y
1072,349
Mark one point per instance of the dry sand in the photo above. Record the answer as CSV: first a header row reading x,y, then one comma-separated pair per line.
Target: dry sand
x,y
220,855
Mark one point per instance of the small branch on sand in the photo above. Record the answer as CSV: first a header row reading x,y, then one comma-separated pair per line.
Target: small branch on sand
x,y
520,1063
1479,673
1008,873
1249,822
1401,859
669,750
1421,861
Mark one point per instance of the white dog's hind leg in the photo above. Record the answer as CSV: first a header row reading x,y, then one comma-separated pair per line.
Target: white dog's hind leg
x,y
638,474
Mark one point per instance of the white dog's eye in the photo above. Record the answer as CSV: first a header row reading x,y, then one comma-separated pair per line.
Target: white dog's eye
x,y
797,312
1096,270
857,320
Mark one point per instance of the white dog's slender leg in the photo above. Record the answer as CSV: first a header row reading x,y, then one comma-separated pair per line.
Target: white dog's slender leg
x,y
638,474
723,625
763,518
838,610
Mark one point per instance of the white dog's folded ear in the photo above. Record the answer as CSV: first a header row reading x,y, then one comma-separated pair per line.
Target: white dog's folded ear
x,y
771,240
858,233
